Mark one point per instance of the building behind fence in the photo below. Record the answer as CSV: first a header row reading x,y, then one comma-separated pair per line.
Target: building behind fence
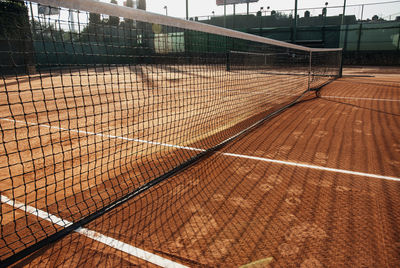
x,y
366,40
372,40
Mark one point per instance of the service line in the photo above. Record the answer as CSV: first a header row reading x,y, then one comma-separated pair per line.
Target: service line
x,y
357,98
294,164
280,162
100,134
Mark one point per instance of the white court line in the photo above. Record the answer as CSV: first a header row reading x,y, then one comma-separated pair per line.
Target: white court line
x,y
111,242
356,98
294,164
343,171
139,253
102,135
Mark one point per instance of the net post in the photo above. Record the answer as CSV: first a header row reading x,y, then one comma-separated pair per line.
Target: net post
x,y
341,65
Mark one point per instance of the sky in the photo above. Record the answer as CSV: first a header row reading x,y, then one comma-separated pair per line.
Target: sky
x,y
176,8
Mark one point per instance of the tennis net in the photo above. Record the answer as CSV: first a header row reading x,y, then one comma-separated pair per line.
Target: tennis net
x,y
100,102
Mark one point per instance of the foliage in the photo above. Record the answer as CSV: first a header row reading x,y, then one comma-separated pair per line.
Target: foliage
x,y
14,19
103,29
94,18
129,3
50,32
113,21
128,22
141,4
281,15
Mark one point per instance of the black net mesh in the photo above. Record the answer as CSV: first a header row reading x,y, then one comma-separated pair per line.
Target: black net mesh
x,y
95,107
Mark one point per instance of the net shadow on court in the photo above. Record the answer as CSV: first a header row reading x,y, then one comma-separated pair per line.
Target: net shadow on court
x,y
238,206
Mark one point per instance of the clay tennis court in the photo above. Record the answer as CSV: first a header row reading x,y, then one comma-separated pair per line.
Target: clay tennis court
x,y
129,138
76,138
315,186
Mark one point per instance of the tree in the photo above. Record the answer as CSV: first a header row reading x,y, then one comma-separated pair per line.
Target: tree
x,y
90,31
128,22
16,37
113,21
94,18
129,3
141,4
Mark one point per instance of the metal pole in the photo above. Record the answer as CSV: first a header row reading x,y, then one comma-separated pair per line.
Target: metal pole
x,y
362,12
31,68
309,70
234,13
224,13
248,7
323,27
295,23
344,11
341,65
228,66
228,61
33,18
359,37
187,10
398,41
71,18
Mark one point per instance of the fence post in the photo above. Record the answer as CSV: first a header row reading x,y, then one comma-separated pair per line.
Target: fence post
x,y
294,37
228,61
346,32
234,15
398,40
359,37
309,71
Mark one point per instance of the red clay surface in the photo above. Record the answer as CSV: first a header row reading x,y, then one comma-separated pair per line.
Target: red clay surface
x,y
75,141
230,211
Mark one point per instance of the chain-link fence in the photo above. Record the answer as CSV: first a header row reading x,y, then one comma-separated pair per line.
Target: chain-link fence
x,y
368,33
